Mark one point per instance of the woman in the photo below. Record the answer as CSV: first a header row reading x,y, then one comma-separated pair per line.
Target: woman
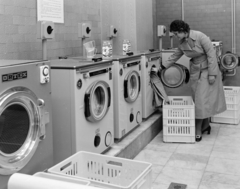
x,y
205,76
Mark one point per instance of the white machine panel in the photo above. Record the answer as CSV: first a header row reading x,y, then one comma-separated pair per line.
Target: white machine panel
x,y
82,106
127,94
148,60
26,138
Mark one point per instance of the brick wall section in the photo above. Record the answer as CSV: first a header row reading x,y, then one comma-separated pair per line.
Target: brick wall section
x,y
18,25
213,17
18,29
166,12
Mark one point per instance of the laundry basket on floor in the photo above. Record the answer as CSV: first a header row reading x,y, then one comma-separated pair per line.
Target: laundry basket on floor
x,y
232,114
106,171
179,119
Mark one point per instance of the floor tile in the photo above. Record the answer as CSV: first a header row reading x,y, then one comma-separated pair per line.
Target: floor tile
x,y
188,161
212,163
227,141
156,170
179,175
159,146
154,157
226,152
196,149
159,186
230,132
231,126
219,181
225,155
225,166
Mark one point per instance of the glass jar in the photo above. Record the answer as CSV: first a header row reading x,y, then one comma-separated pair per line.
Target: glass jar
x,y
107,49
126,46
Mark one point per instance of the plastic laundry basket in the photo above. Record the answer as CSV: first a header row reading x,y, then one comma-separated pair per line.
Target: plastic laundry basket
x,y
106,171
232,114
62,178
179,119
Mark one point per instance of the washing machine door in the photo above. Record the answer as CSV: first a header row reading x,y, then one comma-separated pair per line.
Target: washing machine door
x,y
174,76
97,101
21,128
132,85
229,61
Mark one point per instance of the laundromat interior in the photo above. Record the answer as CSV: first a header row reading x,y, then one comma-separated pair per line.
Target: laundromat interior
x,y
87,99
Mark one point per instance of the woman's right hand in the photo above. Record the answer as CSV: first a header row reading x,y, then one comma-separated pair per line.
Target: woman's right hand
x,y
154,69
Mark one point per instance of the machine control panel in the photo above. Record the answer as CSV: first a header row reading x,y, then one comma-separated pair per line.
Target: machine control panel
x,y
44,74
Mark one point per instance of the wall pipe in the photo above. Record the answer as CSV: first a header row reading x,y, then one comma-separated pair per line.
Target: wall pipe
x,y
233,26
44,49
182,9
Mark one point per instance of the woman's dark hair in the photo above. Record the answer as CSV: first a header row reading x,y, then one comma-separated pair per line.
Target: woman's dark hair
x,y
179,26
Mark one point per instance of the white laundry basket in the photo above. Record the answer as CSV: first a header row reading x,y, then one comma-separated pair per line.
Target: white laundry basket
x,y
232,114
179,119
106,171
62,178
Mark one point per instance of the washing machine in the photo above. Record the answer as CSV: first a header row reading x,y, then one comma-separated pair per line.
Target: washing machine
x,y
176,78
26,143
148,60
127,94
82,104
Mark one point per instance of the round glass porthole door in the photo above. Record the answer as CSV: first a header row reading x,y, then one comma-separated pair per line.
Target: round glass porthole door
x,y
173,76
132,86
97,101
229,61
19,129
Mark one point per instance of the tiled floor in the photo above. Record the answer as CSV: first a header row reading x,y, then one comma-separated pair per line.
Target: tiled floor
x,y
213,163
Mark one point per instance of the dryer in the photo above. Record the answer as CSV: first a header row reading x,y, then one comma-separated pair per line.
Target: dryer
x,y
26,143
148,60
127,94
82,106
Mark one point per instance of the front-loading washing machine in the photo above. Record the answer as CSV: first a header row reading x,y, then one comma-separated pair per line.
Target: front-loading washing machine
x,y
148,60
26,143
127,94
82,104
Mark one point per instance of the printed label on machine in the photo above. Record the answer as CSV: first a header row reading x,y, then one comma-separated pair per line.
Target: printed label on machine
x,y
14,76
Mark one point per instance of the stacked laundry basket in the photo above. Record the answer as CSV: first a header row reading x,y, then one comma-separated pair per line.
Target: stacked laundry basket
x,y
232,114
90,170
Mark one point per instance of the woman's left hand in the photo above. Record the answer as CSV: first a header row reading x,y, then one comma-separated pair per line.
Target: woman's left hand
x,y
211,79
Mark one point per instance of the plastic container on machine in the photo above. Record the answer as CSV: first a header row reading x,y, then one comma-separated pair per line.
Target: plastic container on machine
x,y
107,49
179,119
126,46
106,171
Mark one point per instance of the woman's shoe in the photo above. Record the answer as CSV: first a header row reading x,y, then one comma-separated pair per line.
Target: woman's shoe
x,y
198,138
208,129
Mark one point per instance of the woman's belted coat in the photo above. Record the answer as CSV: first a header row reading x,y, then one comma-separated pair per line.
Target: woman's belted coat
x,y
209,99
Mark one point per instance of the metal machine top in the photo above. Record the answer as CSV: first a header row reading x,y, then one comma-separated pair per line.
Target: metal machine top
x,y
4,63
77,63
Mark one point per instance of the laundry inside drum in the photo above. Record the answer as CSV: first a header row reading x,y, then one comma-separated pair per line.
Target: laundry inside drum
x,y
14,128
173,76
